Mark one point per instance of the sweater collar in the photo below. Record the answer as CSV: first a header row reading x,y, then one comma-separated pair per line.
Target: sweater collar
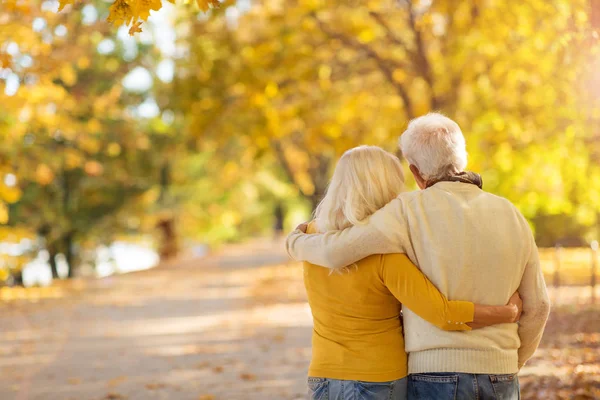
x,y
468,177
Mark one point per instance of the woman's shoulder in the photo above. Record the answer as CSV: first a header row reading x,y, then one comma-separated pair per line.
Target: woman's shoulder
x,y
395,258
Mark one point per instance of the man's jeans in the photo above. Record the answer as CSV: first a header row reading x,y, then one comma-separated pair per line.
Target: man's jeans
x,y
335,389
457,386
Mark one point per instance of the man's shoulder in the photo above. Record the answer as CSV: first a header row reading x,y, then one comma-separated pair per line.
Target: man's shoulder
x,y
499,199
501,202
490,200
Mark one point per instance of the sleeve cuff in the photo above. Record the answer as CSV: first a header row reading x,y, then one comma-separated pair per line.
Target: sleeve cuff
x,y
459,314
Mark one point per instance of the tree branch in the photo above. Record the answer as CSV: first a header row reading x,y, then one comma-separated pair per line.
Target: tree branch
x,y
421,54
382,63
285,164
391,34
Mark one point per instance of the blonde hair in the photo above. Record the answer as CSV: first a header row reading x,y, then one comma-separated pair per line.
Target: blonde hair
x,y
365,179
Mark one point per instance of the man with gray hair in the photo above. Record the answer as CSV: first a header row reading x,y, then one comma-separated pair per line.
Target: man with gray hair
x,y
472,245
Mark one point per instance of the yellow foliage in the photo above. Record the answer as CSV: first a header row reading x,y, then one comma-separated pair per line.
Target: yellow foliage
x,y
63,3
141,10
134,12
44,174
68,75
113,149
135,28
120,13
206,5
3,213
83,62
10,194
73,159
93,168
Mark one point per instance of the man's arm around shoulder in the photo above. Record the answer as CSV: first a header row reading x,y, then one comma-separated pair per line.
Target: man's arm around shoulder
x,y
383,232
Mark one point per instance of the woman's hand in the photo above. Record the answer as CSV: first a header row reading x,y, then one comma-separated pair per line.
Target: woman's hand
x,y
492,315
302,227
515,301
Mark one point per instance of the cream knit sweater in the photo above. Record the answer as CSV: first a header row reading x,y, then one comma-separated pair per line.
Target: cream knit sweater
x,y
473,246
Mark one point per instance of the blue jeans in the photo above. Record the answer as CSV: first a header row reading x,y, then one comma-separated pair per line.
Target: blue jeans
x,y
456,386
335,389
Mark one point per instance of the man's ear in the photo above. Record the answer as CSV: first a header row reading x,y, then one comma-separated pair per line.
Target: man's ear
x,y
417,174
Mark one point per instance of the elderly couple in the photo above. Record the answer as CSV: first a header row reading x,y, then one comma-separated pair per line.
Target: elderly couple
x,y
456,266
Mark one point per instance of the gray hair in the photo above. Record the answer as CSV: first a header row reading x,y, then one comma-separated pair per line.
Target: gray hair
x,y
435,145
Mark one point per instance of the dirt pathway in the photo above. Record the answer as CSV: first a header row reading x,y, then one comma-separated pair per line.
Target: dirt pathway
x,y
232,327
196,330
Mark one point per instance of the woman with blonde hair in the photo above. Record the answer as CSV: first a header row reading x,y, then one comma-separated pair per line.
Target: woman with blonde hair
x,y
358,344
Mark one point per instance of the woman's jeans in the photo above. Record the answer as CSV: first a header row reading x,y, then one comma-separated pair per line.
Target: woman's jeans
x,y
334,389
457,386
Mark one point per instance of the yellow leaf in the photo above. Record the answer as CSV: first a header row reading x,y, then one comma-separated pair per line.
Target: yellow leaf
x,y
366,36
43,174
63,3
10,194
93,168
5,60
83,62
248,377
271,89
3,213
135,28
120,13
117,381
140,9
399,75
68,75
73,159
206,5
113,149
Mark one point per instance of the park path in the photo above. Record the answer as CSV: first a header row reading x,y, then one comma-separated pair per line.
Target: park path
x,y
232,326
195,329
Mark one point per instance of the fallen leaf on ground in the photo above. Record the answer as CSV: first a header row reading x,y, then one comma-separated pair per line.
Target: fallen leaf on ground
x,y
117,381
248,377
155,386
115,396
202,365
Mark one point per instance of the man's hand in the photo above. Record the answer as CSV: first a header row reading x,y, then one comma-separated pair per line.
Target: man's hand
x,y
302,227
515,300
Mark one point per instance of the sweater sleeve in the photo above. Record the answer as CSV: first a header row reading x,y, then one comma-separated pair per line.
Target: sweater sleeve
x,y
383,233
416,292
536,303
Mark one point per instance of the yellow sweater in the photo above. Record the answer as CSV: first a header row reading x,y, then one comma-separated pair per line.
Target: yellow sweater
x,y
357,331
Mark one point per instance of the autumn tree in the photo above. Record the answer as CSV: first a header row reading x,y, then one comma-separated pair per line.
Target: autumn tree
x,y
72,139
304,81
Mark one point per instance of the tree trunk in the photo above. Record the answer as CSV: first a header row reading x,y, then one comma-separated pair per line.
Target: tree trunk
x,y
69,254
169,247
52,261
279,216
18,278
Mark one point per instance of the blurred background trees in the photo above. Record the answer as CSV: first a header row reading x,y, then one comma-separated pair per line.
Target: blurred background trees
x,y
213,127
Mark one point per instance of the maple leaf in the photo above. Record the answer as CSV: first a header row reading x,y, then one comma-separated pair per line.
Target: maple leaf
x,y
120,12
135,28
